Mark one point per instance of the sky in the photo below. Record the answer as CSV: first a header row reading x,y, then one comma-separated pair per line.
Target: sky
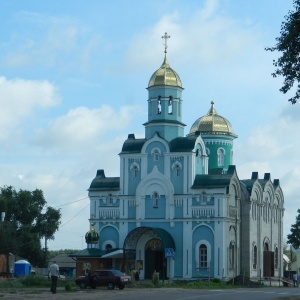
x,y
73,78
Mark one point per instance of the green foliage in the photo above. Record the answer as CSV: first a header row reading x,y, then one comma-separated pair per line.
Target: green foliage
x,y
294,237
155,278
206,284
53,253
25,224
68,287
35,281
288,65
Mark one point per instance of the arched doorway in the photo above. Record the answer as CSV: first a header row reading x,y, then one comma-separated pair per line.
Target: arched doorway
x,y
154,259
145,248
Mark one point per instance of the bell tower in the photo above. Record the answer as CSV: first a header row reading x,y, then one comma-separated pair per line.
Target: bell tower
x,y
164,102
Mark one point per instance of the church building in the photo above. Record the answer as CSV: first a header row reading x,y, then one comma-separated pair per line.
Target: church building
x,y
178,206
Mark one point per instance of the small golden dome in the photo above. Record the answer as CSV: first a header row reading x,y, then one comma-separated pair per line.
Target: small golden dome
x,y
92,236
212,123
165,76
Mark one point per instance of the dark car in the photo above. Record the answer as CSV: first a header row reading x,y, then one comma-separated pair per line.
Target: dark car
x,y
108,278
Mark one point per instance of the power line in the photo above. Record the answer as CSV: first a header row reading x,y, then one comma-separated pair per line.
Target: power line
x,y
75,215
72,202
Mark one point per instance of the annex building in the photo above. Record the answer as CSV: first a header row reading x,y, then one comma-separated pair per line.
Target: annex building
x,y
178,206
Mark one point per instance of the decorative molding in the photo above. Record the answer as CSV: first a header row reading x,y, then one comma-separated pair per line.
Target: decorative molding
x,y
218,142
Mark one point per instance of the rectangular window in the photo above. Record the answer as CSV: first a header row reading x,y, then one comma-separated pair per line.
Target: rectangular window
x,y
203,256
155,200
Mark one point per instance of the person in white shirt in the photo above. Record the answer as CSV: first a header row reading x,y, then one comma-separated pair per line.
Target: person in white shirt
x,y
54,273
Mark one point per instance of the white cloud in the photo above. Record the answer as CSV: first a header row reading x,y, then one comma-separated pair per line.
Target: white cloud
x,y
20,99
82,127
204,38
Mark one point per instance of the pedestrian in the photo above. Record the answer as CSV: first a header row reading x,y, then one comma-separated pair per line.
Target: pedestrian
x,y
136,276
54,273
295,279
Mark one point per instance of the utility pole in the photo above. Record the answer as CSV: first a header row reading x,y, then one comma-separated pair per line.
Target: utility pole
x,y
46,232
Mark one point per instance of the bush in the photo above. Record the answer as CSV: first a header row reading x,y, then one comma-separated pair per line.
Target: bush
x,y
155,278
35,281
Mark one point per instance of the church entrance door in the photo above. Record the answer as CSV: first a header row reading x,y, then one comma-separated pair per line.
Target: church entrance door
x,y
154,259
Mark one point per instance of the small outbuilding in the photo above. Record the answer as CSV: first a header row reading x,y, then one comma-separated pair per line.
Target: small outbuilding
x,y
22,268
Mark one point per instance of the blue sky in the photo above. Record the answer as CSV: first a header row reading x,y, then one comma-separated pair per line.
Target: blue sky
x,y
73,78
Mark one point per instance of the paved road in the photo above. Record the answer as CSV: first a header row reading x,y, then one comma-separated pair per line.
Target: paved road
x,y
157,294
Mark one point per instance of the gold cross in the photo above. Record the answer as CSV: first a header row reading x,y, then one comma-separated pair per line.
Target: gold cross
x,y
166,37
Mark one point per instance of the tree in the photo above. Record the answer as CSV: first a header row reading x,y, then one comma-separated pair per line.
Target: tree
x,y
294,237
25,224
288,65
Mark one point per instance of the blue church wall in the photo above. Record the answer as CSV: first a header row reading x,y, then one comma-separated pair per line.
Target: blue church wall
x,y
153,212
177,178
109,233
134,178
105,201
203,199
131,212
213,153
178,212
168,132
198,161
177,234
207,224
151,160
165,94
203,233
131,226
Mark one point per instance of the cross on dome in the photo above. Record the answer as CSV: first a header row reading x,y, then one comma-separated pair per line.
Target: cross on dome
x,y
165,37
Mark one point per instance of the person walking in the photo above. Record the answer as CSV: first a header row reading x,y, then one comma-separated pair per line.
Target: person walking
x,y
54,273
295,279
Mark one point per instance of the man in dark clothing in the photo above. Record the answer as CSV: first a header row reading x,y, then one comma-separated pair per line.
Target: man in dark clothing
x,y
54,273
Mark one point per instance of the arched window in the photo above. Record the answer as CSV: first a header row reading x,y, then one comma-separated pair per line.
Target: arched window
x,y
207,152
155,153
159,105
155,197
254,257
276,258
203,256
231,255
134,168
108,247
221,154
170,106
177,169
266,246
109,199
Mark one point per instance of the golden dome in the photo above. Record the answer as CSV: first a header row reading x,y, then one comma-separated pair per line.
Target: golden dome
x,y
165,76
212,123
92,236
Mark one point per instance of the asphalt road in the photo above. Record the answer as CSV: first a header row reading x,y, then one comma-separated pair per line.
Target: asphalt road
x,y
157,294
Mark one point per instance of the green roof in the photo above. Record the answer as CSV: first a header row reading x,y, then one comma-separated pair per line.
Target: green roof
x,y
211,181
88,252
164,121
183,144
214,180
102,183
133,145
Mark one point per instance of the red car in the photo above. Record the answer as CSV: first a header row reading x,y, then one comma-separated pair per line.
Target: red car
x,y
108,278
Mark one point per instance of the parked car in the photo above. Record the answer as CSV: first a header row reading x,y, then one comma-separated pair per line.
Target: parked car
x,y
108,278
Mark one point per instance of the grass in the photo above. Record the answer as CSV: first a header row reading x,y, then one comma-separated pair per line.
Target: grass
x,y
34,281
